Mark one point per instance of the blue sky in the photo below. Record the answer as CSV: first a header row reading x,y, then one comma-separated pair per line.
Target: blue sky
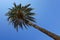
x,y
47,16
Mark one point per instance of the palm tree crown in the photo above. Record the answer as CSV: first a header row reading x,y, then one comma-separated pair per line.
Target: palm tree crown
x,y
20,15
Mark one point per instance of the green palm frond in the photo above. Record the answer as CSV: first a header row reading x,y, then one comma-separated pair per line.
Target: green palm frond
x,y
20,15
26,6
28,9
15,5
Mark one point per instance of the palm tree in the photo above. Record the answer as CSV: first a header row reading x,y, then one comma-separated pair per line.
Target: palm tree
x,y
22,16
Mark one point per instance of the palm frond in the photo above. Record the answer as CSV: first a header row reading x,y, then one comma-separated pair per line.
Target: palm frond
x,y
31,19
29,9
15,26
30,14
21,25
14,4
20,5
27,6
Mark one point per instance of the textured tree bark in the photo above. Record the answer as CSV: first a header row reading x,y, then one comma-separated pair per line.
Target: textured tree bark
x,y
50,34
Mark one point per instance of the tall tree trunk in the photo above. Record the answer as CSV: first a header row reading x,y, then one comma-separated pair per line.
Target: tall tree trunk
x,y
50,34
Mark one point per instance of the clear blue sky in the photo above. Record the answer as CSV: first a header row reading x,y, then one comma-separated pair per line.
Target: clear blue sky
x,y
47,16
